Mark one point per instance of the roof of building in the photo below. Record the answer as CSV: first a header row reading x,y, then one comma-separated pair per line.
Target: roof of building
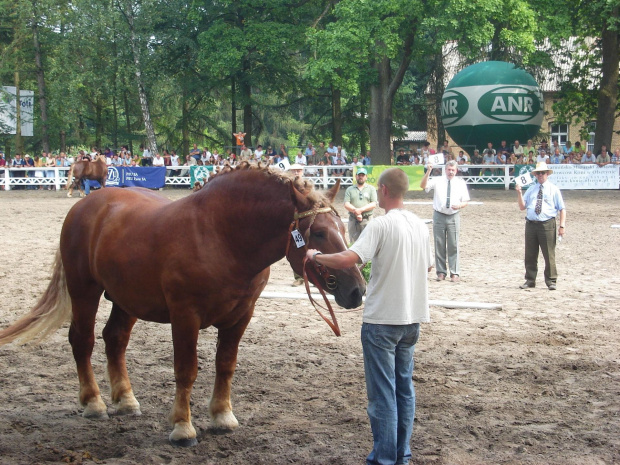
x,y
414,136
548,79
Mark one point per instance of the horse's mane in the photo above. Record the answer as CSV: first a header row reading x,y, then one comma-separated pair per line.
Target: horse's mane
x,y
304,186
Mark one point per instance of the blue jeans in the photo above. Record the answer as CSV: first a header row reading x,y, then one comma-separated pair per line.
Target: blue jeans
x,y
86,184
388,366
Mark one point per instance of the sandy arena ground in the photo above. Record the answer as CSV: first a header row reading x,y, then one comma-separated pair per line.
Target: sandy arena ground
x,y
537,382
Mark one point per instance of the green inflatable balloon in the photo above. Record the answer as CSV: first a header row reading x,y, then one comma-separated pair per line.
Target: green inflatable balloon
x,y
490,102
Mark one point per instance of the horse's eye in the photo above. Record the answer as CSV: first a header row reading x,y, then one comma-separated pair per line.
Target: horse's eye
x,y
318,234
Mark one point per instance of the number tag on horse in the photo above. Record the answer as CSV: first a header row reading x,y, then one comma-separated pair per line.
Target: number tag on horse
x,y
298,238
524,179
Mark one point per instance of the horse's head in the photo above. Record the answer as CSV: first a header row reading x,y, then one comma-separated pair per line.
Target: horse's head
x,y
322,229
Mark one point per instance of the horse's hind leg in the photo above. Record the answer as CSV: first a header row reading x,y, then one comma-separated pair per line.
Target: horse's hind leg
x,y
82,339
220,407
116,336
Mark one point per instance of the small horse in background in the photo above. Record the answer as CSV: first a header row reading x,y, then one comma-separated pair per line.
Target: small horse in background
x,y
96,170
197,262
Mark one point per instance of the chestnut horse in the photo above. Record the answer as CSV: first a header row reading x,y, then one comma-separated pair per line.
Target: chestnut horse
x,y
96,170
197,262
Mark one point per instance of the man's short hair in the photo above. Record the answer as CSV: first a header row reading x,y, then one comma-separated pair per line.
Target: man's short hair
x,y
452,163
396,181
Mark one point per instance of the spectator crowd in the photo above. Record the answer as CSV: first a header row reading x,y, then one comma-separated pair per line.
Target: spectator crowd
x,y
320,155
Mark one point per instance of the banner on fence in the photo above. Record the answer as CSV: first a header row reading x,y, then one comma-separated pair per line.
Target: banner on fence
x,y
579,176
129,176
199,173
414,173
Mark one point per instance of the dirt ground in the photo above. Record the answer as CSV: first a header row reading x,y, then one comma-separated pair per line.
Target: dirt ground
x,y
537,382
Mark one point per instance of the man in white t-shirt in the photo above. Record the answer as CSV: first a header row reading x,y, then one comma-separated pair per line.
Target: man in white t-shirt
x,y
258,153
542,157
300,159
158,160
396,303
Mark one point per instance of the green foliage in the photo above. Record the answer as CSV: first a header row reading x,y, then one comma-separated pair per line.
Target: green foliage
x,y
366,271
285,62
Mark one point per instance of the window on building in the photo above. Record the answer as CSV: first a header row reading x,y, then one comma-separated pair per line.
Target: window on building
x,y
591,131
559,132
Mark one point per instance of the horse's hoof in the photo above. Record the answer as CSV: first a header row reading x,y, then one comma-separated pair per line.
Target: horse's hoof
x,y
94,415
125,412
183,435
95,409
69,195
189,442
126,405
224,421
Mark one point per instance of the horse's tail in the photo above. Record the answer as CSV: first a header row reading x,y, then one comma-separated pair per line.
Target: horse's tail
x,y
70,177
52,310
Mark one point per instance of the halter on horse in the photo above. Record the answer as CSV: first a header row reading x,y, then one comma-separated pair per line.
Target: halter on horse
x,y
200,261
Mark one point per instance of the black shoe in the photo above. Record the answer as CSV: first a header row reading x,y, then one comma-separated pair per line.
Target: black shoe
x,y
552,287
527,285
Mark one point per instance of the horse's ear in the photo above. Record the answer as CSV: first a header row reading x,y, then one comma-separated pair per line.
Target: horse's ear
x,y
331,194
300,200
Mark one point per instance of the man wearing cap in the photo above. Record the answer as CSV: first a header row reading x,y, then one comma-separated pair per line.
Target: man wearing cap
x,y
360,201
450,197
297,170
543,202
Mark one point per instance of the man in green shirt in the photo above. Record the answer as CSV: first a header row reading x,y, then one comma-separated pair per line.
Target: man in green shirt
x,y
360,201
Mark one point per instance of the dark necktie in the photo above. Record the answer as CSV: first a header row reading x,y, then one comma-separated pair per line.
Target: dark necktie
x,y
448,196
539,200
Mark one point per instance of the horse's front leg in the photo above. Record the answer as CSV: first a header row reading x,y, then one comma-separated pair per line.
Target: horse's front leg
x,y
116,336
220,407
81,188
184,339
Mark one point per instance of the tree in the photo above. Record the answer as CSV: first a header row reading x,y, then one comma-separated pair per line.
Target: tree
x,y
252,47
130,9
383,39
590,91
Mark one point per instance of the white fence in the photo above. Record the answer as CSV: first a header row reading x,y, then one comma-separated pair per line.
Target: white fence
x,y
323,176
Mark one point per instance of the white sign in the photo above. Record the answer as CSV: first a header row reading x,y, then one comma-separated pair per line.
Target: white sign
x,y
585,176
8,112
524,179
284,165
436,159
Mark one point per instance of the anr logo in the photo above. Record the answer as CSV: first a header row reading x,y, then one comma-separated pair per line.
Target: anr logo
x,y
512,104
454,106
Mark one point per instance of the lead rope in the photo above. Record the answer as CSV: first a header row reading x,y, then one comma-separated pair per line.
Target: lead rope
x,y
334,326
322,271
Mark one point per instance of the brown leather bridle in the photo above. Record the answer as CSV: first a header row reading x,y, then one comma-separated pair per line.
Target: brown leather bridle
x,y
330,280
